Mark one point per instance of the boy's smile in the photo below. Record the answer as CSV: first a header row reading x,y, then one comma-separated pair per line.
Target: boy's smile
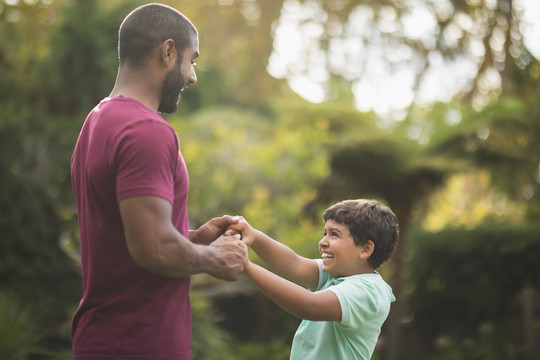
x,y
341,256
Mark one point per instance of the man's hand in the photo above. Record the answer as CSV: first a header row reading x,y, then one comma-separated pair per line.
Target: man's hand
x,y
214,228
230,257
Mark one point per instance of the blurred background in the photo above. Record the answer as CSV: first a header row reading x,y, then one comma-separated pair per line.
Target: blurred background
x,y
430,106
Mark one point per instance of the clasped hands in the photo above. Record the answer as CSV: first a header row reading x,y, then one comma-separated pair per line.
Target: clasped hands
x,y
227,237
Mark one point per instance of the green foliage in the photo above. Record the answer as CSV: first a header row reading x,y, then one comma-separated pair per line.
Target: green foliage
x,y
34,165
21,328
37,132
253,149
259,350
32,264
487,343
208,341
238,159
235,45
502,138
462,280
83,61
389,167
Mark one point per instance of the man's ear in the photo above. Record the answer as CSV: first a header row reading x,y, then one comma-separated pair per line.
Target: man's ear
x,y
168,52
367,249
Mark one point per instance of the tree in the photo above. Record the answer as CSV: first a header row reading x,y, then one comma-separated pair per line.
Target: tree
x,y
471,281
235,43
38,105
242,132
502,139
396,172
378,46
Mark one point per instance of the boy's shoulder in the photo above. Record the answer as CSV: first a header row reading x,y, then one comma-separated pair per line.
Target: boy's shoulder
x,y
373,279
371,286
362,297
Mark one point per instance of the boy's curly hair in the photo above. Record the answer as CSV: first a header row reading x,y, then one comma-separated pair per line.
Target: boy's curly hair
x,y
368,220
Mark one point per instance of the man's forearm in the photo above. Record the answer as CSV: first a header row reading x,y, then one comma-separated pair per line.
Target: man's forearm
x,y
223,259
156,245
177,256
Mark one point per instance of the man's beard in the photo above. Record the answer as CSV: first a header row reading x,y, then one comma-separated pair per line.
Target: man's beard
x,y
172,84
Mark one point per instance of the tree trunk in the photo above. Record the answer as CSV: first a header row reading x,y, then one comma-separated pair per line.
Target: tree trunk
x,y
528,306
403,213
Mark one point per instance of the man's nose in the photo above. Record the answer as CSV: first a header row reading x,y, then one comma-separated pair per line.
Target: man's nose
x,y
193,78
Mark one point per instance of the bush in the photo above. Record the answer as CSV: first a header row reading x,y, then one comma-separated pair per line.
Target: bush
x,y
463,281
20,328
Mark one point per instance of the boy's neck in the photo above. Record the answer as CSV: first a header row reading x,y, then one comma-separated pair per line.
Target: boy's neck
x,y
366,270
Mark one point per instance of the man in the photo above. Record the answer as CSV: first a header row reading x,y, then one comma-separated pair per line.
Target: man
x,y
131,186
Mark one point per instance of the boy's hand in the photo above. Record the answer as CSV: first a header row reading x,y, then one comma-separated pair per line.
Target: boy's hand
x,y
242,227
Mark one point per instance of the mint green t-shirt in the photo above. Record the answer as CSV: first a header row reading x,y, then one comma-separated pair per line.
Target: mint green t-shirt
x,y
365,303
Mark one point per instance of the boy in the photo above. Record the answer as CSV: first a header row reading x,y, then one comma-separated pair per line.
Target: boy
x,y
348,300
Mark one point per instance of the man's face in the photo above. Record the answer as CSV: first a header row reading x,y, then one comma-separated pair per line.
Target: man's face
x,y
178,78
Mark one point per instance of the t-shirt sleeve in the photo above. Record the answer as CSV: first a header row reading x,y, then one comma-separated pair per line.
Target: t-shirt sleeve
x,y
323,277
146,157
358,301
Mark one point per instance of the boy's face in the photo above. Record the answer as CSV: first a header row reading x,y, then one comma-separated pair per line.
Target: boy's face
x,y
341,257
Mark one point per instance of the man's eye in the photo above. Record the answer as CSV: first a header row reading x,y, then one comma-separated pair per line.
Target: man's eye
x,y
193,63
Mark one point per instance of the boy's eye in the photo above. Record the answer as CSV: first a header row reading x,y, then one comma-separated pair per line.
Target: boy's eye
x,y
193,63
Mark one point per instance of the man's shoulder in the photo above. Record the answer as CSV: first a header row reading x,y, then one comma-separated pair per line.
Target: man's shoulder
x,y
119,115
126,108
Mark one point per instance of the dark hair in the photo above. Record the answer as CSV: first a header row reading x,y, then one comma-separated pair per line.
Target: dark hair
x,y
148,26
368,220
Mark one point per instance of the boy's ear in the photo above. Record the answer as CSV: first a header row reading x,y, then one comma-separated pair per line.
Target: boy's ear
x,y
367,249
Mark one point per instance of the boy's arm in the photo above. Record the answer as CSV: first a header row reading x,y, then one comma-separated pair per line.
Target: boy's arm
x,y
285,262
279,257
317,306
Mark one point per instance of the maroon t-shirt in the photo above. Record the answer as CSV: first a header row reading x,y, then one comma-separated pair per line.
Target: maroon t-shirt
x,y
126,312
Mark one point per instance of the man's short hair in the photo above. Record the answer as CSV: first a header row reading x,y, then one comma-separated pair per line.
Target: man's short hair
x,y
368,220
148,26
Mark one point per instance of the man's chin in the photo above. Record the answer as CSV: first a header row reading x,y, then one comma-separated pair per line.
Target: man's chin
x,y
169,109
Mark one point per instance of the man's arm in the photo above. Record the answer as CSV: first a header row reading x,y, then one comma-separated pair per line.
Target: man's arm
x,y
317,306
156,245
